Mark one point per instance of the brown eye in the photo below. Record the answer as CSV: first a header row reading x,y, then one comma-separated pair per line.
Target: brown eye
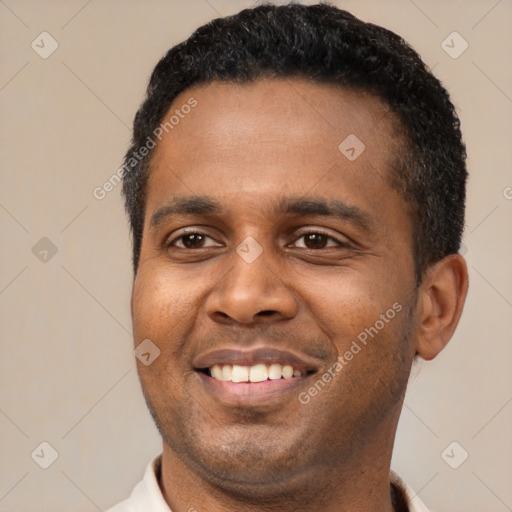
x,y
191,240
315,240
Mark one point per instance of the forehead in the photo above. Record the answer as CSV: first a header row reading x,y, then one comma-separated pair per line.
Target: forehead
x,y
270,138
277,111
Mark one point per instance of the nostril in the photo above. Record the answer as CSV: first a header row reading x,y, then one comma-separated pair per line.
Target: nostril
x,y
267,312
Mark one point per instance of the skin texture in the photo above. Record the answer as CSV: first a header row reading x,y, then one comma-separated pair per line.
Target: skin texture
x,y
249,147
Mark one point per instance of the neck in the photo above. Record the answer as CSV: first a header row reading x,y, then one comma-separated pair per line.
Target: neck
x,y
359,481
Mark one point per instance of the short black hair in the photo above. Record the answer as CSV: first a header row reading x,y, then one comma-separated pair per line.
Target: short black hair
x,y
323,44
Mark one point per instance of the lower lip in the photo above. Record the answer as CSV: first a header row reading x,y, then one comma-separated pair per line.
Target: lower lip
x,y
247,394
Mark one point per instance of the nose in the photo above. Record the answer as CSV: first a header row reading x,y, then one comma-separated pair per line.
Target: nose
x,y
251,293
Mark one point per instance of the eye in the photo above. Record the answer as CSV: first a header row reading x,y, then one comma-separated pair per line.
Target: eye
x,y
310,240
191,240
319,240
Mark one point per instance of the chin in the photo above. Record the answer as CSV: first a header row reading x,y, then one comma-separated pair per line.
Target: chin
x,y
242,460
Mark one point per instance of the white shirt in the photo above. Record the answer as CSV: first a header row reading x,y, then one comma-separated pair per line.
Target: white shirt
x,y
147,496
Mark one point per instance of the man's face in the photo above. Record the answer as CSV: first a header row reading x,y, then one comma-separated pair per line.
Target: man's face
x,y
295,250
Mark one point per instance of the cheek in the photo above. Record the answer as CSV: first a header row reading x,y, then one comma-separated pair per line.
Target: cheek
x,y
346,301
365,318
163,312
161,304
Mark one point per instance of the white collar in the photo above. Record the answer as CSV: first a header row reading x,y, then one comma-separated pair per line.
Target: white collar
x,y
147,496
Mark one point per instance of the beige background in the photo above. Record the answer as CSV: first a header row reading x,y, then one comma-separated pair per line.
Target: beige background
x,y
67,372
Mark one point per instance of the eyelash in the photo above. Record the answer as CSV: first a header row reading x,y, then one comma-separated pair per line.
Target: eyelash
x,y
339,243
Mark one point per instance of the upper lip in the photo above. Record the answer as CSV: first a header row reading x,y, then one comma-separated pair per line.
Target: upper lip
x,y
256,355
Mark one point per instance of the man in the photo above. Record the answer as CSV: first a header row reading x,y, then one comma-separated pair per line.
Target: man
x,y
296,189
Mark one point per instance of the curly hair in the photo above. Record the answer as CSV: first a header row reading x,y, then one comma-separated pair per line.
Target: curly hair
x,y
323,44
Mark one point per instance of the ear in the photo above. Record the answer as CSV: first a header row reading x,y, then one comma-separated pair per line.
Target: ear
x,y
440,302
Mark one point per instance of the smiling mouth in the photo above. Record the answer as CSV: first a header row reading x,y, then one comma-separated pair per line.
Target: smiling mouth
x,y
260,376
253,374
255,386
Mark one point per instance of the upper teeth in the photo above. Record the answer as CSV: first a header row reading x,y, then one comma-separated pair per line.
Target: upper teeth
x,y
256,373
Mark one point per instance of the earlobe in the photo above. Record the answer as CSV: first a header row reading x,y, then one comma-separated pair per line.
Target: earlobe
x,y
440,302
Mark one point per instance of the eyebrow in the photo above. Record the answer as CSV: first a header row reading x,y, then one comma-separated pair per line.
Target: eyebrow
x,y
333,208
193,205
205,205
